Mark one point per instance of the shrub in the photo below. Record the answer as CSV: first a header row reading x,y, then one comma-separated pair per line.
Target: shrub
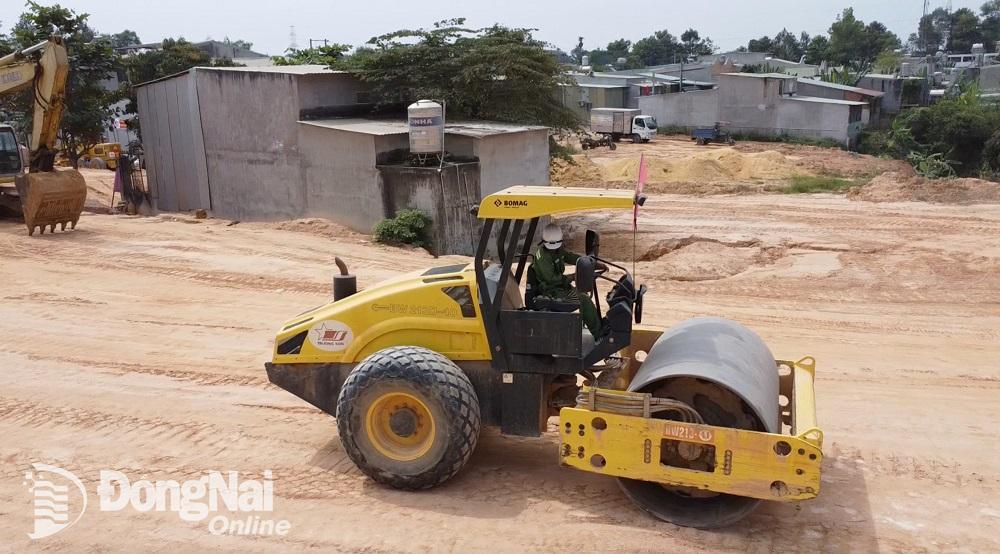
x,y
956,128
932,166
991,154
408,227
562,151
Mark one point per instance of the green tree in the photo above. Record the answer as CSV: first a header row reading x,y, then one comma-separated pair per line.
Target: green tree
x,y
931,31
620,48
173,56
321,55
694,45
965,31
854,45
786,46
239,43
124,38
497,73
888,62
658,49
762,44
848,39
88,106
816,52
990,12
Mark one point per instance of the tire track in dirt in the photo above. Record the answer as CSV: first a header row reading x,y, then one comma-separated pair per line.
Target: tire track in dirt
x,y
123,368
156,431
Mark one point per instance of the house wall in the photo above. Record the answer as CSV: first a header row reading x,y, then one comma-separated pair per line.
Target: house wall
x,y
252,143
819,91
690,109
513,159
446,197
328,90
339,178
813,119
571,96
748,103
989,78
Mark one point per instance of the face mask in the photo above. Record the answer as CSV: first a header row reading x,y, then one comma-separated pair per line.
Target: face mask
x,y
553,245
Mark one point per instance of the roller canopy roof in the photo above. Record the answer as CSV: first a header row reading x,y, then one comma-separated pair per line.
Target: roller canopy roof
x,y
528,202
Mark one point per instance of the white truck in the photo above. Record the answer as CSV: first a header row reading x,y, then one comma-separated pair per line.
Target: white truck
x,y
623,122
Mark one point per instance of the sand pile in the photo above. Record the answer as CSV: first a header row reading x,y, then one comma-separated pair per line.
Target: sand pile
x,y
715,165
899,187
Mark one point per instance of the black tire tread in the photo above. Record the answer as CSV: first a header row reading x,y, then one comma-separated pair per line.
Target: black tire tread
x,y
430,370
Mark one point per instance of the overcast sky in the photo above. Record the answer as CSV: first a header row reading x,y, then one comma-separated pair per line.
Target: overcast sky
x,y
267,23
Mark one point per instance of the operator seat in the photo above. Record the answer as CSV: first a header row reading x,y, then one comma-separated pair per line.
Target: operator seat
x,y
537,302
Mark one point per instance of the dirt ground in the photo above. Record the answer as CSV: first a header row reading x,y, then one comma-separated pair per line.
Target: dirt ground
x,y
137,344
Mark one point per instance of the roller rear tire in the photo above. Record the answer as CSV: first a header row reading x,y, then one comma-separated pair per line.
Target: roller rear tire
x,y
408,417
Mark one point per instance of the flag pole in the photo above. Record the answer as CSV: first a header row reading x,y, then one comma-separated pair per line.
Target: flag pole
x,y
639,184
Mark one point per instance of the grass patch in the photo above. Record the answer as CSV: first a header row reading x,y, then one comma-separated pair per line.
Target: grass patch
x,y
820,183
673,130
789,139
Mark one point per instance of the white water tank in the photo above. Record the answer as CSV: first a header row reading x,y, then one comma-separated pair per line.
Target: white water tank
x,y
426,123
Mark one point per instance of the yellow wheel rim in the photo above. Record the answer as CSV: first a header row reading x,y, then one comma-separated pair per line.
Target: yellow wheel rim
x,y
400,426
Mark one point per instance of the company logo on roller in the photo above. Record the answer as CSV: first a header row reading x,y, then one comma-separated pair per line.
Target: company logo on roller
x,y
332,336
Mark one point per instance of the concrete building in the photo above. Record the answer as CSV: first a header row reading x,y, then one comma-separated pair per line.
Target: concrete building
x,y
899,92
989,79
620,89
821,89
271,143
760,103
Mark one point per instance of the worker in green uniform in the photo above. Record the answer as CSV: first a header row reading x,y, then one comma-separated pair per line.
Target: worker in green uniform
x,y
550,265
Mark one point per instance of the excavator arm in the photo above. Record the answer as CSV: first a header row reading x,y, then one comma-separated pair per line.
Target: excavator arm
x,y
46,196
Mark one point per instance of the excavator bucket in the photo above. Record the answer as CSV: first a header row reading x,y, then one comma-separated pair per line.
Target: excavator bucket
x,y
49,198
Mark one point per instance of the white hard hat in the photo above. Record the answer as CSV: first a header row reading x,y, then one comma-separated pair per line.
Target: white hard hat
x,y
552,236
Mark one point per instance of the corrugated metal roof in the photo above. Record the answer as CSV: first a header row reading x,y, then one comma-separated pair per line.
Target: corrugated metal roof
x,y
674,79
395,127
824,100
762,75
285,69
289,69
838,86
592,85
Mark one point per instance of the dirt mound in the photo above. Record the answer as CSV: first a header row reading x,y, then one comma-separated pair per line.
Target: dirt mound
x,y
715,165
315,226
581,171
900,187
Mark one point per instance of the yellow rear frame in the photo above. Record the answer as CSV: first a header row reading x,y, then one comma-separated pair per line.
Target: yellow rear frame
x,y
768,466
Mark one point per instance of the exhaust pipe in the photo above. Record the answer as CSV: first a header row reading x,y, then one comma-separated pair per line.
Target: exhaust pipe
x,y
344,284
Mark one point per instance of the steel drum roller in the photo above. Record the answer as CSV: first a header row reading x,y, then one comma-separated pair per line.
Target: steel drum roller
x,y
725,372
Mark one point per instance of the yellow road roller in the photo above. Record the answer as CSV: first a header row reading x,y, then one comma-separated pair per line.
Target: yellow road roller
x,y
698,422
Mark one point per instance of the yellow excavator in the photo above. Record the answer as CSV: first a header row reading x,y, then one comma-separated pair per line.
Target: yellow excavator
x,y
43,195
